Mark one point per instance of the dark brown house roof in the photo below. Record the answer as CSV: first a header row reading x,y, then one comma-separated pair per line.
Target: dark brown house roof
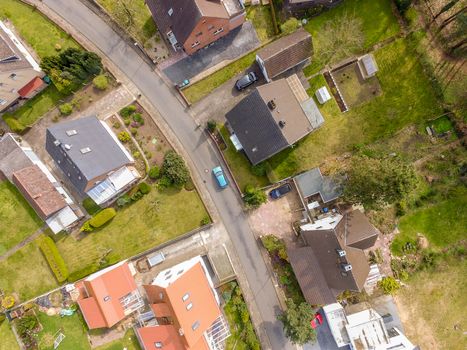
x,y
360,233
39,191
319,264
286,52
310,276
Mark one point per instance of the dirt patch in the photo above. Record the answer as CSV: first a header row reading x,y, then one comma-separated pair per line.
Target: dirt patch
x,y
354,88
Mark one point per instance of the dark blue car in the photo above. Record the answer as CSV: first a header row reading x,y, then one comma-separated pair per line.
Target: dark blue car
x,y
280,191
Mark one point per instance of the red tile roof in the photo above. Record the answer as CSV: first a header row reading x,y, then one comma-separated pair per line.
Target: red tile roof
x,y
105,289
193,320
167,335
38,191
33,86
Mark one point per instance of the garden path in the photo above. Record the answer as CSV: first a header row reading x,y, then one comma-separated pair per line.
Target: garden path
x,y
23,243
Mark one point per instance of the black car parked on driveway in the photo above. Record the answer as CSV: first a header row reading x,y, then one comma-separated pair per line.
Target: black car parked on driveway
x,y
280,191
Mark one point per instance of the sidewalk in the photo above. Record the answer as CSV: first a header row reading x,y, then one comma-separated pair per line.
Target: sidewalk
x,y
171,137
21,244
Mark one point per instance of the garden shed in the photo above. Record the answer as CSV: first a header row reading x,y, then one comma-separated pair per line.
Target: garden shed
x,y
322,94
367,65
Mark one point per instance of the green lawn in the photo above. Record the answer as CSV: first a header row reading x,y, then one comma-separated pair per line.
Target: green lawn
x,y
71,326
155,219
36,107
27,273
442,224
240,165
140,25
203,87
40,33
433,304
261,18
407,98
129,342
17,219
8,340
378,23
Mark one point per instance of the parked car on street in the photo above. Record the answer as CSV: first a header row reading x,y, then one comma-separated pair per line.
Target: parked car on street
x,y
220,177
317,321
246,81
280,191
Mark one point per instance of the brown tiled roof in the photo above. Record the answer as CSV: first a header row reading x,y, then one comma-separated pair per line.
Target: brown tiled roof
x,y
318,266
359,232
310,276
39,191
286,52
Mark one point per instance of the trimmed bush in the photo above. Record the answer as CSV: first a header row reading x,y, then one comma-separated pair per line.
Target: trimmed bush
x,y
66,109
254,197
290,25
102,217
124,137
134,131
154,172
136,196
91,207
86,227
211,125
189,186
85,271
14,124
127,111
123,200
205,221
144,188
137,117
54,259
389,285
101,82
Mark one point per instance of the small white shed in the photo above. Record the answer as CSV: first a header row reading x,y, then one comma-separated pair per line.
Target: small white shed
x,y
368,66
322,94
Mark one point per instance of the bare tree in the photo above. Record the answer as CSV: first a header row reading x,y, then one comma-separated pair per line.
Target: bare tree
x,y
340,38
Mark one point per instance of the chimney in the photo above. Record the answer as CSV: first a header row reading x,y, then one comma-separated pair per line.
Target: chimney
x,y
281,123
272,105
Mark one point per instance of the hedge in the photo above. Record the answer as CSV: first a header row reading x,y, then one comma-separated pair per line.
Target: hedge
x,y
54,259
91,207
85,271
14,124
102,217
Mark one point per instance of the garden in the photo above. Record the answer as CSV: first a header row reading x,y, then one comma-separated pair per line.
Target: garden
x,y
260,16
14,208
243,336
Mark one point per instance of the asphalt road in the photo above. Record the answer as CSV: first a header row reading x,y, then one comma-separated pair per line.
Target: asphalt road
x,y
195,143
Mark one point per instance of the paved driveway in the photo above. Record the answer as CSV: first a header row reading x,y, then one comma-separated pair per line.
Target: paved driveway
x,y
200,150
233,45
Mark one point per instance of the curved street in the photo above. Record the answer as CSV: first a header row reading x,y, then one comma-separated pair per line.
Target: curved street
x,y
195,143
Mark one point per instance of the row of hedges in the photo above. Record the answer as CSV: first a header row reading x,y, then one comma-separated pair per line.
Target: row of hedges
x,y
54,259
14,124
98,220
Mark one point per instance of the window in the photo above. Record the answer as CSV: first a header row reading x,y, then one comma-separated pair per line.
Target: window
x,y
71,132
180,272
168,277
171,11
2,101
161,295
189,306
107,298
196,43
167,272
158,345
199,34
12,75
186,296
85,150
195,326
220,30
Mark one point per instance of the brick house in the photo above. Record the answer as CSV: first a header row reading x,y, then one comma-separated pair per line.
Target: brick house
x,y
193,24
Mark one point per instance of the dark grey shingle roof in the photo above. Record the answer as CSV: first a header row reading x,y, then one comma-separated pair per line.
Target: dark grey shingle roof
x,y
256,129
105,155
312,182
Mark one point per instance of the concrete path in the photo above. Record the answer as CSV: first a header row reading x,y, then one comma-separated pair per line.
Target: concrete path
x,y
21,244
258,287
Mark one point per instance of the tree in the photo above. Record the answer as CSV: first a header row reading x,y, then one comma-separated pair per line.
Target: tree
x,y
340,38
389,285
378,182
275,245
101,82
154,172
296,321
290,25
175,169
254,197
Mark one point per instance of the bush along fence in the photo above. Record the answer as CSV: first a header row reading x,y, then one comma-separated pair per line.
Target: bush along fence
x,y
98,220
54,259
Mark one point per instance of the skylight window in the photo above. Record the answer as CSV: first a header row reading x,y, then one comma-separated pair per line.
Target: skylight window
x,y
186,296
189,306
195,325
85,150
71,132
